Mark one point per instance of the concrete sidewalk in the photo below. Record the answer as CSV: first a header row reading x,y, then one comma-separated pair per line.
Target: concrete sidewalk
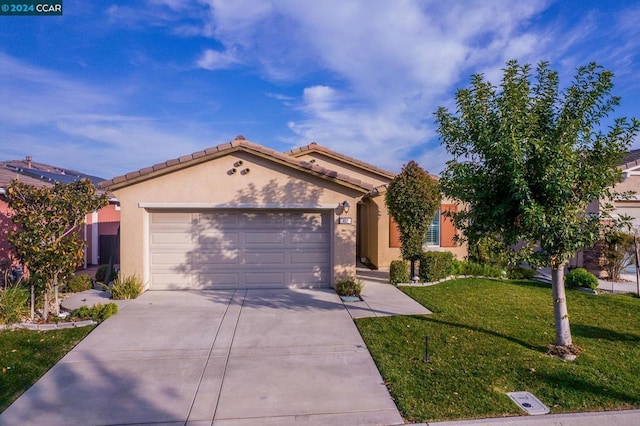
x,y
607,418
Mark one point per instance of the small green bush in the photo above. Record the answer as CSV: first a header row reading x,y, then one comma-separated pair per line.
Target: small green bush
x,y
126,288
476,269
580,277
520,273
399,272
349,287
101,273
97,312
13,304
435,265
80,282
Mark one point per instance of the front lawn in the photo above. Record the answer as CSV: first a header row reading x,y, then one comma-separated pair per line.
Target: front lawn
x,y
489,337
26,355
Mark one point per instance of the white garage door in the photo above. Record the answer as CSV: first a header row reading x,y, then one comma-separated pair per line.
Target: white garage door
x,y
239,249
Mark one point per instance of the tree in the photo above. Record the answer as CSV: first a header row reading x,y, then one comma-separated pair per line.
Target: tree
x,y
529,158
46,238
412,199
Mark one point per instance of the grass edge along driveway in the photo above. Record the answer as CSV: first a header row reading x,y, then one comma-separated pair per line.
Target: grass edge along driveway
x,y
489,337
25,356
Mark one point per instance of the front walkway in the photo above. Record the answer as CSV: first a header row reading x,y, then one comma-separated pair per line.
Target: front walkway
x,y
380,299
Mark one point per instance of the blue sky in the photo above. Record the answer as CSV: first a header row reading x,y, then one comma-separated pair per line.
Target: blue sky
x,y
111,86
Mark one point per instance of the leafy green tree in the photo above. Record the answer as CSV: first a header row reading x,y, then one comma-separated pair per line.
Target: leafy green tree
x,y
46,238
529,158
412,198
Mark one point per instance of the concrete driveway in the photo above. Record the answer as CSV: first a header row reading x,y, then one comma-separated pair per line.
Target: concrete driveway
x,y
215,357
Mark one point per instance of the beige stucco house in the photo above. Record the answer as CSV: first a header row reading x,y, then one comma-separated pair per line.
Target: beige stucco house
x,y
241,215
629,206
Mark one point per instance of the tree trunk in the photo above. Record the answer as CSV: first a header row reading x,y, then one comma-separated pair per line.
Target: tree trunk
x,y
55,292
563,331
45,311
33,302
413,269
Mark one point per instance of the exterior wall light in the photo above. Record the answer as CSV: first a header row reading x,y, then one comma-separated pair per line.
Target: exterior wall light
x,y
343,207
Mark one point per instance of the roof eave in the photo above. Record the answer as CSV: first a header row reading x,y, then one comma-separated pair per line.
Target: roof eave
x,y
184,162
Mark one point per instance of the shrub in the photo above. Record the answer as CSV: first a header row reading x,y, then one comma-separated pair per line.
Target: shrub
x,y
13,304
97,312
399,272
476,269
619,252
580,277
349,287
101,273
80,282
482,270
520,273
489,250
126,288
435,265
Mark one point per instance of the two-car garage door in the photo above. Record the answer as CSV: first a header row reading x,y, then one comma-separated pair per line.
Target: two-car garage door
x,y
239,249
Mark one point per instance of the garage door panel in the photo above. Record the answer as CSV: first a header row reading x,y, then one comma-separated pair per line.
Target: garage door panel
x,y
171,280
261,220
316,277
217,258
305,220
176,238
310,258
170,260
276,258
218,219
216,237
269,238
310,238
264,278
207,280
258,249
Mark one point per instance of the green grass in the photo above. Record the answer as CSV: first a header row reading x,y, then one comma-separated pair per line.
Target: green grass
x,y
489,337
26,355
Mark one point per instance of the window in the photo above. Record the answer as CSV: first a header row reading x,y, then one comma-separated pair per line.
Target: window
x,y
433,233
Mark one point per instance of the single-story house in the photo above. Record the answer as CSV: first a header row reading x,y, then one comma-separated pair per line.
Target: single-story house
x,y
240,215
591,258
101,228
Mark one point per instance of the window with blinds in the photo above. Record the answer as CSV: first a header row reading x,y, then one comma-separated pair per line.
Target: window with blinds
x,y
433,233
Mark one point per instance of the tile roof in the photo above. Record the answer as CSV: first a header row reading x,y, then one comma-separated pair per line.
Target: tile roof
x,y
239,143
314,147
632,159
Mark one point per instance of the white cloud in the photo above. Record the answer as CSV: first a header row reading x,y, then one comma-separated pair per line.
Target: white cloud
x,y
368,73
216,60
395,62
50,116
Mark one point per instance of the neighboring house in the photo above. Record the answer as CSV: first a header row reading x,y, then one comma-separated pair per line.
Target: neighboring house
x,y
240,215
591,258
101,228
